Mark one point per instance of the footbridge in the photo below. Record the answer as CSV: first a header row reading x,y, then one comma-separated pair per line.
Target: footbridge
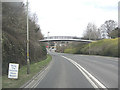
x,y
63,38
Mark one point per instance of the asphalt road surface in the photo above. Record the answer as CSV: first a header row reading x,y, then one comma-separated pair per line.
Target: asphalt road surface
x,y
80,71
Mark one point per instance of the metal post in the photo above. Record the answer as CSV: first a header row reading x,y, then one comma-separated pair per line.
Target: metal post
x,y
28,61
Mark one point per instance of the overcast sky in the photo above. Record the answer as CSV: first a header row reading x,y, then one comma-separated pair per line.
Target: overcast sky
x,y
70,17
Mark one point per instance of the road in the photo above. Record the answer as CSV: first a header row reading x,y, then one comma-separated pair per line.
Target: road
x,y
80,71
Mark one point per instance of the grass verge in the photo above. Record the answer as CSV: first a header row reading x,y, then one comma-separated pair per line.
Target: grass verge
x,y
23,76
0,82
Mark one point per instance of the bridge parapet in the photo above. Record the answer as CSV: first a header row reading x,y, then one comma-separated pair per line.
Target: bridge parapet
x,y
60,37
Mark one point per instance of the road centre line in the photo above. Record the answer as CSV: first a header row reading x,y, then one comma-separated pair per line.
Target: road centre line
x,y
94,82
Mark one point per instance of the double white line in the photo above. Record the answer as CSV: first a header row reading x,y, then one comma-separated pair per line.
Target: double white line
x,y
35,82
94,82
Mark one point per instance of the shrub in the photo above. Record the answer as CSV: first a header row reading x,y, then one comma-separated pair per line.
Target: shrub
x,y
72,51
106,47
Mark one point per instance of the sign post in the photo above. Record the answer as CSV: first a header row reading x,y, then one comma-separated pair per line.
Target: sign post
x,y
13,71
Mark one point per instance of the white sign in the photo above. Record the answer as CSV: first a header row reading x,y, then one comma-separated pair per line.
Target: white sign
x,y
13,70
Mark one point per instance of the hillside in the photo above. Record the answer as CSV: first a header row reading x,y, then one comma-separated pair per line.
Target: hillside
x,y
14,36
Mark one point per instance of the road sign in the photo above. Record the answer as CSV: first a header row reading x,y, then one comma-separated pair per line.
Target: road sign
x,y
13,70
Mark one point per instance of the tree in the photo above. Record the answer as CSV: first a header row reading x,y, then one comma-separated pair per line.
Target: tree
x,y
107,27
103,31
115,33
92,32
14,36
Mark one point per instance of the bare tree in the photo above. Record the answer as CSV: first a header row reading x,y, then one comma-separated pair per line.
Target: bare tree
x,y
104,34
92,32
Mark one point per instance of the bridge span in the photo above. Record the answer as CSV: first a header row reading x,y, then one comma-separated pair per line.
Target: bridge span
x,y
64,38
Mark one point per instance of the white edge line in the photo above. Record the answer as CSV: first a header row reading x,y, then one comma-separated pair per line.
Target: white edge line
x,y
43,73
33,81
41,78
37,82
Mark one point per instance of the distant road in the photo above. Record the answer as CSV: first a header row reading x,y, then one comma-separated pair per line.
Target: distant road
x,y
80,71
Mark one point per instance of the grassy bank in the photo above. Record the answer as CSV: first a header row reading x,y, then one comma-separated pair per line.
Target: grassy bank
x,y
105,47
23,77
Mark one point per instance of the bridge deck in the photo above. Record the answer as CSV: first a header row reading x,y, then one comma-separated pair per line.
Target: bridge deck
x,y
76,40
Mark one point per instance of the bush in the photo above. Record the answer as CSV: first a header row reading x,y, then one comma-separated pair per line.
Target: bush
x,y
72,51
106,47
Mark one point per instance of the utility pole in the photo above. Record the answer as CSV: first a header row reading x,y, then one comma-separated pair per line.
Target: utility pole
x,y
119,14
28,61
89,42
48,40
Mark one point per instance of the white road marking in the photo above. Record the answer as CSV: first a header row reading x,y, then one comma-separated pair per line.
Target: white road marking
x,y
43,75
39,78
94,82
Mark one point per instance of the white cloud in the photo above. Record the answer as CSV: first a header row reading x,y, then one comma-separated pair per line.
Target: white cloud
x,y
70,17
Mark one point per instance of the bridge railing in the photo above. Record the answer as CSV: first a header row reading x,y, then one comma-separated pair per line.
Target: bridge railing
x,y
59,37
